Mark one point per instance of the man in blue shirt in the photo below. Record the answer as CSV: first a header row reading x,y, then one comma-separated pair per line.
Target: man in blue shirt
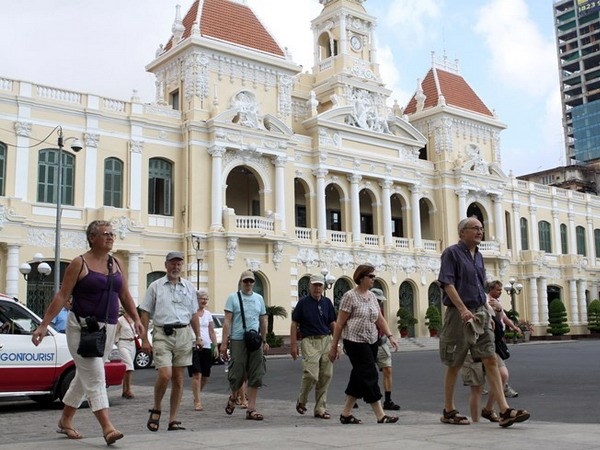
x,y
314,315
462,277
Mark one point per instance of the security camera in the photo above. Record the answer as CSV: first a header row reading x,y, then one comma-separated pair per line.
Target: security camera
x,y
76,146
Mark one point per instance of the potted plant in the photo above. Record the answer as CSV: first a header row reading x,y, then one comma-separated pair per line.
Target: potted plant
x,y
593,314
526,329
405,320
557,318
433,320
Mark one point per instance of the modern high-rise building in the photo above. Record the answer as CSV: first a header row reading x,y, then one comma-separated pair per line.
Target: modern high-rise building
x,y
577,24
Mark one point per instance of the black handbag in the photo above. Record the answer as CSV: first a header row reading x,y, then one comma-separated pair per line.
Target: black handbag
x,y
252,338
501,347
93,338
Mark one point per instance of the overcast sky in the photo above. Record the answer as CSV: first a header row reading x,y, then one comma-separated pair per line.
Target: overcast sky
x,y
505,49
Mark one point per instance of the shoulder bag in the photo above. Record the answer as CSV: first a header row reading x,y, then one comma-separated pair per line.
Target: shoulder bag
x,y
252,338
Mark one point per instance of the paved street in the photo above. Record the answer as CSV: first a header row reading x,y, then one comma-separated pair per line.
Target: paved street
x,y
557,383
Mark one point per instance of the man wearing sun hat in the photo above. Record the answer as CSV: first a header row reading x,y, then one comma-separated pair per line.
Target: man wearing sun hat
x,y
384,358
315,316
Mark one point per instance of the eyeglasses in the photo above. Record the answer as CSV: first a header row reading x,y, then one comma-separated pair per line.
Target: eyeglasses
x,y
475,228
248,281
108,234
371,275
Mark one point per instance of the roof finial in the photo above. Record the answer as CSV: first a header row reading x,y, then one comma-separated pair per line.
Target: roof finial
x,y
177,27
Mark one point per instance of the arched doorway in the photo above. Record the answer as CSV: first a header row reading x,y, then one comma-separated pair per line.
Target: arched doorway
x,y
406,295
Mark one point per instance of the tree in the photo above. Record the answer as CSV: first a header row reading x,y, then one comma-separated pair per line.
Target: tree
x,y
557,318
593,314
405,319
272,312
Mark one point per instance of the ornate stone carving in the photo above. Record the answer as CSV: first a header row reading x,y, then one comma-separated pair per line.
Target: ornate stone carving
x,y
277,254
285,95
23,129
122,225
308,257
91,139
247,107
366,113
232,245
136,146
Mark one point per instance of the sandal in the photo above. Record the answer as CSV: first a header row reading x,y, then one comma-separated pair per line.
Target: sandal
x,y
323,415
454,418
490,415
112,436
127,395
153,420
230,405
254,415
388,419
69,432
198,406
301,407
175,425
349,420
510,416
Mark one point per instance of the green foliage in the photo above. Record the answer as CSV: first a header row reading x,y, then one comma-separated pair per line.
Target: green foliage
x,y
405,318
557,318
433,318
274,340
593,313
513,315
272,312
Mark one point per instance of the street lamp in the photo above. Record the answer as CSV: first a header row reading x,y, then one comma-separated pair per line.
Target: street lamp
x,y
76,146
513,289
199,258
329,280
43,270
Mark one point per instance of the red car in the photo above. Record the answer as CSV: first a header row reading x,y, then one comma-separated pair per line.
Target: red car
x,y
42,373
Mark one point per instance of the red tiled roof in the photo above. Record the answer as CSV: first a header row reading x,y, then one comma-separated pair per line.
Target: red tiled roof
x,y
231,22
453,87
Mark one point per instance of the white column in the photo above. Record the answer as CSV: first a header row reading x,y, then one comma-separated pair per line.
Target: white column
x,y
590,241
517,229
572,305
321,207
216,207
133,276
556,243
355,207
343,34
581,285
533,228
498,218
90,156
387,212
533,301
572,236
280,190
136,176
462,203
543,299
12,270
415,192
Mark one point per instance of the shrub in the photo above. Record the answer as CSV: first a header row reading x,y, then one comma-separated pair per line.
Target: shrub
x,y
405,318
433,318
557,318
593,313
273,340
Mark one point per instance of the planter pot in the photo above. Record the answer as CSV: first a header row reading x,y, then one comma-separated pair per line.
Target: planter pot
x,y
433,333
403,333
526,336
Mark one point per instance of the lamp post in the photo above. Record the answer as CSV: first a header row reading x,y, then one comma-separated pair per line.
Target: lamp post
x,y
76,146
43,270
329,280
199,258
513,289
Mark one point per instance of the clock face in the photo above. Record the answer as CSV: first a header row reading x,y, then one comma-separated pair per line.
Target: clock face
x,y
355,43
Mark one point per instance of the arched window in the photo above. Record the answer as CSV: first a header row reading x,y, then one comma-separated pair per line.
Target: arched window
x,y
580,235
153,276
524,234
597,242
113,182
564,242
47,188
160,187
2,169
545,237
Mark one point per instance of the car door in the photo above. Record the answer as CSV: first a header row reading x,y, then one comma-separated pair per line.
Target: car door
x,y
23,366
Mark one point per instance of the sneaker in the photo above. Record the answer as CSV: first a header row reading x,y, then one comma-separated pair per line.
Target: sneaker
x,y
490,415
391,406
510,392
485,392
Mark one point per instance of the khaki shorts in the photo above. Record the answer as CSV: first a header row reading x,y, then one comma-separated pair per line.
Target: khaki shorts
x,y
384,354
453,343
473,373
174,350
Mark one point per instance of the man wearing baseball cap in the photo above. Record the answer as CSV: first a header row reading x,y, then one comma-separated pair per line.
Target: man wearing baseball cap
x,y
171,302
314,315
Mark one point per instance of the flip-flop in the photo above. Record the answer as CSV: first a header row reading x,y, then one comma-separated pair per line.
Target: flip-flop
x,y
112,436
69,432
300,407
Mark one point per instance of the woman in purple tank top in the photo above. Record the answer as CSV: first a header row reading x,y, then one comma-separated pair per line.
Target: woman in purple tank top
x,y
87,278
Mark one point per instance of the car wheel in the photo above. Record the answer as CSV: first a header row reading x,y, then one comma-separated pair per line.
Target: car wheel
x,y
142,360
64,383
45,400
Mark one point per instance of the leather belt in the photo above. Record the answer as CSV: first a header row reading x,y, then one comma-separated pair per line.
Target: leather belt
x,y
174,325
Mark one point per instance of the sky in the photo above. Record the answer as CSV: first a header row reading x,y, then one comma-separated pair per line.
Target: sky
x,y
505,49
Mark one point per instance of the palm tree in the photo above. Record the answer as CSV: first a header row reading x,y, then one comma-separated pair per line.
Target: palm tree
x,y
273,311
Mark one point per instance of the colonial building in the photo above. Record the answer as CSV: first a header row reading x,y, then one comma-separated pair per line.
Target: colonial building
x,y
245,162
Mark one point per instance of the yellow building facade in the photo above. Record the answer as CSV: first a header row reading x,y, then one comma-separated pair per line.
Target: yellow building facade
x,y
243,161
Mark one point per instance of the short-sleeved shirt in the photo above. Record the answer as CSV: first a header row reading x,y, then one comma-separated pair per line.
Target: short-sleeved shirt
x,y
314,316
254,307
360,326
170,303
466,272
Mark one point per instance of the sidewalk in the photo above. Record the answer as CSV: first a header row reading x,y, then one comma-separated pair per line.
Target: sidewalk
x,y
283,428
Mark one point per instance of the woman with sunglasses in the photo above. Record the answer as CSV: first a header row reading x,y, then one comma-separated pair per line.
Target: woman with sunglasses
x,y
359,317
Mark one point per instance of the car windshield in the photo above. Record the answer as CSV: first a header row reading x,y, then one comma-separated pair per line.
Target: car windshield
x,y
218,320
15,320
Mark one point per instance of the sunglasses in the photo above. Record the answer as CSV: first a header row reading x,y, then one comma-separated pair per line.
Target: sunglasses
x,y
248,281
371,275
